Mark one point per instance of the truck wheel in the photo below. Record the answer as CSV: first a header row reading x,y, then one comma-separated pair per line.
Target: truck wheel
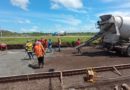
x,y
128,51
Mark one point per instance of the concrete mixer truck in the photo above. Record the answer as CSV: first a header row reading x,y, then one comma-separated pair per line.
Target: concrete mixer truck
x,y
114,32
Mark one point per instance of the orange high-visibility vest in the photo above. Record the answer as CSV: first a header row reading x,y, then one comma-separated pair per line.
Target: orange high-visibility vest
x,y
39,50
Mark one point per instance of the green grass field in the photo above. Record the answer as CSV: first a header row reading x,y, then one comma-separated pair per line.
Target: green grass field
x,y
22,40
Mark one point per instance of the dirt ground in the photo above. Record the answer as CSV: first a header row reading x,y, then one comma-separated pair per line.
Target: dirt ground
x,y
67,59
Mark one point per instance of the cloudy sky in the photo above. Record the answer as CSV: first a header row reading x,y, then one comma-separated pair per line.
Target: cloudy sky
x,y
57,15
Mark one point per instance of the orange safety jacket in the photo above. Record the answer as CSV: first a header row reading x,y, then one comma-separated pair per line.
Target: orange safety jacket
x,y
39,50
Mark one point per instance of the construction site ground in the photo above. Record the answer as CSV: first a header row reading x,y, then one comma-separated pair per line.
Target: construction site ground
x,y
15,62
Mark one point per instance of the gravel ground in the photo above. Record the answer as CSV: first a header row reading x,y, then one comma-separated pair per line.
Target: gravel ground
x,y
13,62
91,57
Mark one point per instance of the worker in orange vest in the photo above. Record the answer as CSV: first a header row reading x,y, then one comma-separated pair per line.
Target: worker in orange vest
x,y
40,52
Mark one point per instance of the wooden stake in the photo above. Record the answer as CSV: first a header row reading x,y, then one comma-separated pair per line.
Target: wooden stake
x,y
61,80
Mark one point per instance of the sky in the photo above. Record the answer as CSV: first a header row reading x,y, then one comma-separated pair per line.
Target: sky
x,y
57,15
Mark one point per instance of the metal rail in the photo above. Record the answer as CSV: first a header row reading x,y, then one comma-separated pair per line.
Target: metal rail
x,y
57,74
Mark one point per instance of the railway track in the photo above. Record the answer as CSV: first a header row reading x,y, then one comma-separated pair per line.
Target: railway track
x,y
61,74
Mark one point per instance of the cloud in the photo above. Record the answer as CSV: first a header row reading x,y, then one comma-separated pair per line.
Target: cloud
x,y
79,11
58,18
118,4
53,18
55,6
122,5
24,21
15,21
117,1
125,5
32,29
66,19
73,21
23,4
70,21
70,4
88,27
119,13
106,1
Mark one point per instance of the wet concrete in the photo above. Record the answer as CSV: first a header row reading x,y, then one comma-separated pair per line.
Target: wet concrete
x,y
12,63
16,62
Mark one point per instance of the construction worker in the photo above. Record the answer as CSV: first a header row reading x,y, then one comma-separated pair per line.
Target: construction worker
x,y
29,49
3,46
45,44
59,44
78,43
42,41
40,52
50,45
